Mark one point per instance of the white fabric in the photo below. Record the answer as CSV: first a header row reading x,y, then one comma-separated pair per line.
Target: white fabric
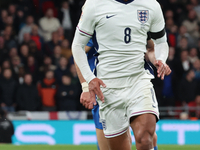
x,y
48,26
161,49
85,87
121,104
80,57
115,23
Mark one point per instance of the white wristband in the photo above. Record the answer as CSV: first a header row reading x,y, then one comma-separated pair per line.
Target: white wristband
x,y
85,87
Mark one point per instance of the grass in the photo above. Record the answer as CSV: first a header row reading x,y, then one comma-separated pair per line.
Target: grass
x,y
88,147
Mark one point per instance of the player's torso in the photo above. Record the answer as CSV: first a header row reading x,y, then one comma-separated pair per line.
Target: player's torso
x,y
121,26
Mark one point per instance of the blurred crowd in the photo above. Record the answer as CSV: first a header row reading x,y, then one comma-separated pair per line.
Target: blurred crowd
x,y
37,69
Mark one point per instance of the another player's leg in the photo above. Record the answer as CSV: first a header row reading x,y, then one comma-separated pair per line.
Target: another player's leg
x,y
155,141
102,142
143,127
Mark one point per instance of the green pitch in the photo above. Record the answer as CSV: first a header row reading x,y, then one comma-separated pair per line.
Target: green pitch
x,y
88,147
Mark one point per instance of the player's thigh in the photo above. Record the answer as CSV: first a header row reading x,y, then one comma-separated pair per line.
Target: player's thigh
x,y
144,128
121,142
102,141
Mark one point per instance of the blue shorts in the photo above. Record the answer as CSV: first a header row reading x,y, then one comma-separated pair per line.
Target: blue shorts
x,y
96,118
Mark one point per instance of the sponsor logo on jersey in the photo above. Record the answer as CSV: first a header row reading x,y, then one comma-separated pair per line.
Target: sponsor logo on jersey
x,y
110,16
143,16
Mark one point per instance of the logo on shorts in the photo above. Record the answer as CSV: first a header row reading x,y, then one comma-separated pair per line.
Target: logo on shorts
x,y
103,122
143,16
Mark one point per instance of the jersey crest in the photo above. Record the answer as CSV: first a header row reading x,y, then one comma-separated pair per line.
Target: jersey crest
x,y
143,16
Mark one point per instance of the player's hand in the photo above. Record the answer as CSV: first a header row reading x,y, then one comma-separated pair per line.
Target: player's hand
x,y
94,88
85,100
161,69
167,70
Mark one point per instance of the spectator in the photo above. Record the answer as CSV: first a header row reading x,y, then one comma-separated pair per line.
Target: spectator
x,y
57,55
61,33
65,19
26,39
3,50
6,128
61,70
193,55
13,52
196,66
27,95
36,37
188,88
66,51
8,91
35,52
32,68
47,90
4,15
26,28
6,64
49,47
49,24
74,74
9,40
182,65
21,74
184,34
47,65
192,25
66,95
24,53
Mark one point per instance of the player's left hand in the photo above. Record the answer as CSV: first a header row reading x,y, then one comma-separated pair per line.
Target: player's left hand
x,y
162,69
86,100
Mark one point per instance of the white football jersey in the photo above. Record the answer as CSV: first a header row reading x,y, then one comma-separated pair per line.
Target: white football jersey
x,y
121,32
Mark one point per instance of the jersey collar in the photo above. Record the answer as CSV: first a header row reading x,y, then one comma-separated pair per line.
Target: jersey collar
x,y
127,2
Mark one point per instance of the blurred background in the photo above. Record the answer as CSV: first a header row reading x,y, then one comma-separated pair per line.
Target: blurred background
x,y
40,90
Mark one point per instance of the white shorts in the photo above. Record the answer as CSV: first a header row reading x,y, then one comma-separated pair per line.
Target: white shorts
x,y
123,103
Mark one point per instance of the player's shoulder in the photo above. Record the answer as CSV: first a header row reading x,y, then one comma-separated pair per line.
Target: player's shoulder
x,y
149,3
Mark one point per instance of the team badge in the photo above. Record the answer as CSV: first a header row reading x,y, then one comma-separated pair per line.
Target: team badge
x,y
143,16
103,122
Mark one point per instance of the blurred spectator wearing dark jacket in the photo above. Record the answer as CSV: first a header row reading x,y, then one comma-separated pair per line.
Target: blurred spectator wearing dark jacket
x,y
188,88
8,91
62,69
66,95
47,90
6,128
49,46
65,19
27,95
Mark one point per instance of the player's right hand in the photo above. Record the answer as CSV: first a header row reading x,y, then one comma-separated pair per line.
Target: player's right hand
x,y
94,88
85,100
162,69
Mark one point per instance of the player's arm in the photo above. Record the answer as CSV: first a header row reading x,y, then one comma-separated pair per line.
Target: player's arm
x,y
85,95
83,34
151,56
158,35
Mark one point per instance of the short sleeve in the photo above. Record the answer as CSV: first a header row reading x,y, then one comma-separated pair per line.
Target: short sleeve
x,y
158,22
86,23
